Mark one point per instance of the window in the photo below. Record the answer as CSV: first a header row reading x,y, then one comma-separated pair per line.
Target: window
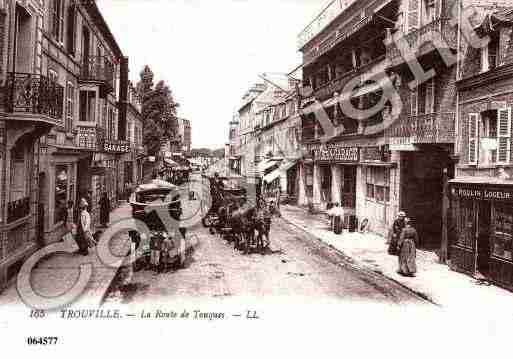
x,y
52,76
378,184
71,29
487,135
61,192
111,131
431,14
425,97
502,230
87,106
490,55
70,106
58,20
129,132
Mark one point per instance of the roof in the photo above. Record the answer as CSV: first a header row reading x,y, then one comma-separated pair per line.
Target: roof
x,y
102,25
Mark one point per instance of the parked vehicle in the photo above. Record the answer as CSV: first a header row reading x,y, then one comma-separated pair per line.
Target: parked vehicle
x,y
158,205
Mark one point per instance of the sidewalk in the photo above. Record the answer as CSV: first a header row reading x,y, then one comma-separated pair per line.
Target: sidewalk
x,y
434,281
58,272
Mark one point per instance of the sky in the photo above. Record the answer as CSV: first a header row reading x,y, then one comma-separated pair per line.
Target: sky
x,y
209,51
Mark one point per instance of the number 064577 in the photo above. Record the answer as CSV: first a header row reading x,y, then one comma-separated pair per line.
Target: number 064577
x,y
42,340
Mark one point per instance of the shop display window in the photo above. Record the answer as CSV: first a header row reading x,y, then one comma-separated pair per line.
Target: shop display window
x,y
378,184
465,224
61,192
502,222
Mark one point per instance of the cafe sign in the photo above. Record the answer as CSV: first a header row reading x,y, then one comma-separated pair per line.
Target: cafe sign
x,y
116,146
335,153
483,194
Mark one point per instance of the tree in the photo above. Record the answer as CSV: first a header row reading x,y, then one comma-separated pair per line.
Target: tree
x,y
219,153
158,112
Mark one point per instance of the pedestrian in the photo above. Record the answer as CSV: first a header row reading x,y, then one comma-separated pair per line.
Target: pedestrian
x,y
406,247
84,222
397,228
155,251
69,220
104,210
337,218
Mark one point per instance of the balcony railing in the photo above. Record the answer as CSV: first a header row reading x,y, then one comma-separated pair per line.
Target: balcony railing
x,y
90,138
337,85
423,35
34,94
18,209
98,68
429,128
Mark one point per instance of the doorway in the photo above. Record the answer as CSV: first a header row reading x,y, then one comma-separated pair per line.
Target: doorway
x,y
348,189
422,184
483,238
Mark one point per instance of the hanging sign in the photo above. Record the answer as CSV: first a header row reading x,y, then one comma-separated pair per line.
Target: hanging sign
x,y
110,146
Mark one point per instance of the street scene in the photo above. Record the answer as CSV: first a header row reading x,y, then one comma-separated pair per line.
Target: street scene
x,y
367,159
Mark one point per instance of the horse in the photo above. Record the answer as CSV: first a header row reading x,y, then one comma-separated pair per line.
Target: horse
x,y
242,222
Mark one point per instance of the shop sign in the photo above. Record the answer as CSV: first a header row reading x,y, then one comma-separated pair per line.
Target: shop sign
x,y
335,153
483,194
116,146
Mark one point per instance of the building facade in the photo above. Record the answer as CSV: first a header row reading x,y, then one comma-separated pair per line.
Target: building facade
x,y
63,113
481,218
31,104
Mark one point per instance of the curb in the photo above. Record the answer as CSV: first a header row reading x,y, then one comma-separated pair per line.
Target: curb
x,y
360,266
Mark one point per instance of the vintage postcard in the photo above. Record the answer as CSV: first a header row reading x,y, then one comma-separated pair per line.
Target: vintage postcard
x,y
284,177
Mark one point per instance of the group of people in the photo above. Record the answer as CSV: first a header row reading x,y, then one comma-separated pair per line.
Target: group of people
x,y
403,242
78,223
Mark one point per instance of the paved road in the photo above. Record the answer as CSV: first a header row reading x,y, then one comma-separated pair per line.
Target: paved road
x,y
297,265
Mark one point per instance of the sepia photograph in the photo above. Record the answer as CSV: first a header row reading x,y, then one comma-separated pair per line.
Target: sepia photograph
x,y
256,177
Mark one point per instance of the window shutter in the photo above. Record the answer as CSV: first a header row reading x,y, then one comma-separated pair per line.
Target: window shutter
x,y
414,101
472,137
504,134
413,14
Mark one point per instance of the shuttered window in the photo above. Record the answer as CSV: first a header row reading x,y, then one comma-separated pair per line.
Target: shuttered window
x,y
472,137
503,135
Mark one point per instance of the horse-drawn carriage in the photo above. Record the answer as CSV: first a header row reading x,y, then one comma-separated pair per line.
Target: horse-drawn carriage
x,y
236,219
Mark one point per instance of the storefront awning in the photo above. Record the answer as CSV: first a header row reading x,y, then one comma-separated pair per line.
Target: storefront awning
x,y
266,164
287,165
269,178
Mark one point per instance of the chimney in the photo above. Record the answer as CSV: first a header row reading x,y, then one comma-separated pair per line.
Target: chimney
x,y
123,98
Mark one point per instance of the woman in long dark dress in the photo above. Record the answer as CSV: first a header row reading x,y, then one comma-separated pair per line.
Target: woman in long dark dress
x,y
407,250
104,209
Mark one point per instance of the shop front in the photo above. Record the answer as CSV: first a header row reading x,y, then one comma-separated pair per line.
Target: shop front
x,y
481,231
376,177
334,175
